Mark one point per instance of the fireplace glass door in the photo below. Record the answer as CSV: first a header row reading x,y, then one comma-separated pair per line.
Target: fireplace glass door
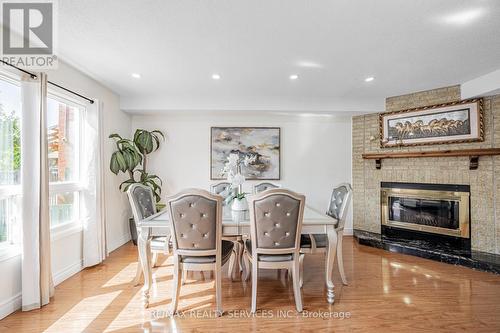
x,y
434,213
426,207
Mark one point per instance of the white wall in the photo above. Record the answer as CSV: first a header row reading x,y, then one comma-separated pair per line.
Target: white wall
x,y
67,248
315,150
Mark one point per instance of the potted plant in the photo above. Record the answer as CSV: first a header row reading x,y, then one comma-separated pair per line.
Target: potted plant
x,y
131,158
232,169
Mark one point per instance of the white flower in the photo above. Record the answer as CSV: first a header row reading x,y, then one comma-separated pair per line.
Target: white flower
x,y
230,176
233,159
237,180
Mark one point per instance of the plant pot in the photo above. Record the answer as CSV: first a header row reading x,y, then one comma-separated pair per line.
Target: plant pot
x,y
133,230
239,205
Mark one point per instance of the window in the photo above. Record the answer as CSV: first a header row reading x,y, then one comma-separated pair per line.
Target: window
x,y
63,130
10,161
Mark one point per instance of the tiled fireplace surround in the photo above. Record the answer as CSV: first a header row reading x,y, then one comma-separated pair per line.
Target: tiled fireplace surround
x,y
484,182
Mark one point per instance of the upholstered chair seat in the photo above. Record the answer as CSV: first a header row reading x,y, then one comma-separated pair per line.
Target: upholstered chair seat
x,y
158,242
225,190
226,250
275,226
318,243
143,206
195,218
267,257
321,241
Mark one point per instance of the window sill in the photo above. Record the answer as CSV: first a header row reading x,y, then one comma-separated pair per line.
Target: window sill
x,y
65,230
9,251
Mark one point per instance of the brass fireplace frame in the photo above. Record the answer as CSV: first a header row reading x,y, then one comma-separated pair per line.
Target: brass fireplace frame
x,y
463,208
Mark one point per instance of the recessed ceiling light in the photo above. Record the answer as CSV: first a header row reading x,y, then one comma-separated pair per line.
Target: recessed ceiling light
x,y
294,77
463,17
369,79
136,75
309,64
216,76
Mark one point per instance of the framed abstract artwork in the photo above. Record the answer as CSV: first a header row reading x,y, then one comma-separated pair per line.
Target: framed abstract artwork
x,y
456,122
261,143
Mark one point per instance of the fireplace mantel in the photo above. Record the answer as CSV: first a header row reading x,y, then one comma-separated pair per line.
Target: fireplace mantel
x,y
473,155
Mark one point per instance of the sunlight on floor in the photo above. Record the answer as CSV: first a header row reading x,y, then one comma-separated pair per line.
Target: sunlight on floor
x,y
83,313
124,276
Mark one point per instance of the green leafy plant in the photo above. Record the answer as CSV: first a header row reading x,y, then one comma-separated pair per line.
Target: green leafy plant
x,y
238,196
130,158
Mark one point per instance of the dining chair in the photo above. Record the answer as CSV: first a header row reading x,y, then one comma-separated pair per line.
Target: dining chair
x,y
196,226
143,205
224,189
317,243
275,226
260,187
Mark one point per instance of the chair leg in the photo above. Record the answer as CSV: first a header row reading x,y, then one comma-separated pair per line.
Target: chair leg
x,y
218,289
340,258
301,270
230,265
255,270
183,276
246,270
154,259
138,274
176,286
296,285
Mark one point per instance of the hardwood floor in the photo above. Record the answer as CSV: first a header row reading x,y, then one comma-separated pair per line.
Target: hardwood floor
x,y
387,292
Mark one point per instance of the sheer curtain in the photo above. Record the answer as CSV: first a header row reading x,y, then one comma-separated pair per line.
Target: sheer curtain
x,y
93,217
37,284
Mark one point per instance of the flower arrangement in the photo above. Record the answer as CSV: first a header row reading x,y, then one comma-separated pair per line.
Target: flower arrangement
x,y
232,170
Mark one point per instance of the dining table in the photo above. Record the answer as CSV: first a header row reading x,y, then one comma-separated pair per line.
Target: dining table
x,y
236,225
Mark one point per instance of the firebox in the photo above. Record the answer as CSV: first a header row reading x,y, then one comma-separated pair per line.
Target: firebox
x,y
438,209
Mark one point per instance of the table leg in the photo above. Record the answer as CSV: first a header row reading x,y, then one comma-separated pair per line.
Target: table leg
x,y
144,246
330,260
237,261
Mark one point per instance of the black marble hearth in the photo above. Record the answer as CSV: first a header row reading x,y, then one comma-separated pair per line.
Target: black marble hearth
x,y
430,250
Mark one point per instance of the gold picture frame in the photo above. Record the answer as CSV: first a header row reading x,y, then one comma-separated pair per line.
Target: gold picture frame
x,y
455,122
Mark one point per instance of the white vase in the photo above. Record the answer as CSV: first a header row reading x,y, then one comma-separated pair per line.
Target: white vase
x,y
239,205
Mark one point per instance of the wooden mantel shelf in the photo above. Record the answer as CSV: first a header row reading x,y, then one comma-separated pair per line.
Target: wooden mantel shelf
x,y
472,153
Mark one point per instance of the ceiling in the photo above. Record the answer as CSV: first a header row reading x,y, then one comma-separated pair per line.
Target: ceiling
x,y
255,45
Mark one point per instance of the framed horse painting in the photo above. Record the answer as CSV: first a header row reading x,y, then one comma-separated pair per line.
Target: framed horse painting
x,y
438,124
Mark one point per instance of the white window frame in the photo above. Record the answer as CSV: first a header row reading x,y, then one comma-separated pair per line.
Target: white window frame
x,y
75,186
9,249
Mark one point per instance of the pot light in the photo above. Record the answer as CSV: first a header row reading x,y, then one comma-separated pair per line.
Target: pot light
x,y
136,75
369,79
216,76
294,77
463,17
309,64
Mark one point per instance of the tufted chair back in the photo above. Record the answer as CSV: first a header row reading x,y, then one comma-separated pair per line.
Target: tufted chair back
x,y
339,203
223,189
195,220
261,187
142,201
276,221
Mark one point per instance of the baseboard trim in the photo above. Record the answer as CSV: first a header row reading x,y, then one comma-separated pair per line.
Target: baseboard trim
x,y
10,305
67,272
116,243
348,232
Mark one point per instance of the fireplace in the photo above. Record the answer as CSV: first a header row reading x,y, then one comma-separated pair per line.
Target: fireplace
x,y
433,212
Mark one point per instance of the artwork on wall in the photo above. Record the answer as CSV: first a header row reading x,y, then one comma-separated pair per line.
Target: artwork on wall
x,y
262,143
446,123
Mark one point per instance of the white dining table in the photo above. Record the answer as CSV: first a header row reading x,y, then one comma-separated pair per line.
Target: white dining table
x,y
236,223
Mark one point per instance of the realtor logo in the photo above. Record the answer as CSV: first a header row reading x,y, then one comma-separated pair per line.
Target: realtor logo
x,y
28,34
